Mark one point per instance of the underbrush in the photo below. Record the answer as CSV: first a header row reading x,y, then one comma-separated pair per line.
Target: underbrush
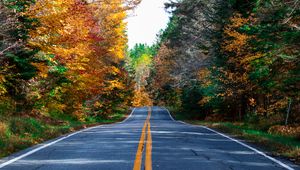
x,y
277,139
20,132
278,144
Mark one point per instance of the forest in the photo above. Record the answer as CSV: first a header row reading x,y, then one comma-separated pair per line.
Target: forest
x,y
65,64
226,60
61,67
230,64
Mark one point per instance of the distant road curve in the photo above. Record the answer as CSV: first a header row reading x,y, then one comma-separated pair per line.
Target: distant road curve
x,y
149,139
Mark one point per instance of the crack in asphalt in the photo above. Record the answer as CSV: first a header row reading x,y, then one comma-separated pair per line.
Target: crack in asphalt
x,y
176,146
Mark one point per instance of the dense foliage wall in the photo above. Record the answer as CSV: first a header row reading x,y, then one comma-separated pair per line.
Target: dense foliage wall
x,y
139,64
63,56
230,60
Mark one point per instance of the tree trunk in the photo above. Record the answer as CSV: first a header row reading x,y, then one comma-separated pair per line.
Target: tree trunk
x,y
288,111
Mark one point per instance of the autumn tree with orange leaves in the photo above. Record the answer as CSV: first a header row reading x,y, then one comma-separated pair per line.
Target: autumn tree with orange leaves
x,y
230,60
78,47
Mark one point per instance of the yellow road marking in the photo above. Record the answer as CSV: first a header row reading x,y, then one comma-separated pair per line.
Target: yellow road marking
x,y
148,163
139,153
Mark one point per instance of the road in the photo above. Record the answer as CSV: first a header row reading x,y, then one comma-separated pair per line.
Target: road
x,y
148,139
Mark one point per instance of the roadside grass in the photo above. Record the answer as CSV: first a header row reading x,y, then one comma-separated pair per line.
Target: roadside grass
x,y
277,145
20,132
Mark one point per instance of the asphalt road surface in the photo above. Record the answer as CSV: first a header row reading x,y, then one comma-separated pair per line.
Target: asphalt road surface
x,y
148,139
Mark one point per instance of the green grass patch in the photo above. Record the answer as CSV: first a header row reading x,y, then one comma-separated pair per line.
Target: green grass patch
x,y
17,133
279,145
243,128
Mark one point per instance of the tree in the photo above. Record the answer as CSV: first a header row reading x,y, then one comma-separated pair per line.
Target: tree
x,y
15,58
139,64
239,58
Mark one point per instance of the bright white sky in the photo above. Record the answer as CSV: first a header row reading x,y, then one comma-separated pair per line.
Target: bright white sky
x,y
146,21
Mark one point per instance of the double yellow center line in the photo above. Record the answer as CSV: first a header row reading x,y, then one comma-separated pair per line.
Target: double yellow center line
x,y
146,132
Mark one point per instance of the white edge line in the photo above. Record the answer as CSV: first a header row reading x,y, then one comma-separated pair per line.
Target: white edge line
x,y
128,116
170,114
51,143
237,141
251,148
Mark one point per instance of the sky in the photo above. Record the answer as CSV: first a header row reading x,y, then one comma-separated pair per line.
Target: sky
x,y
145,22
